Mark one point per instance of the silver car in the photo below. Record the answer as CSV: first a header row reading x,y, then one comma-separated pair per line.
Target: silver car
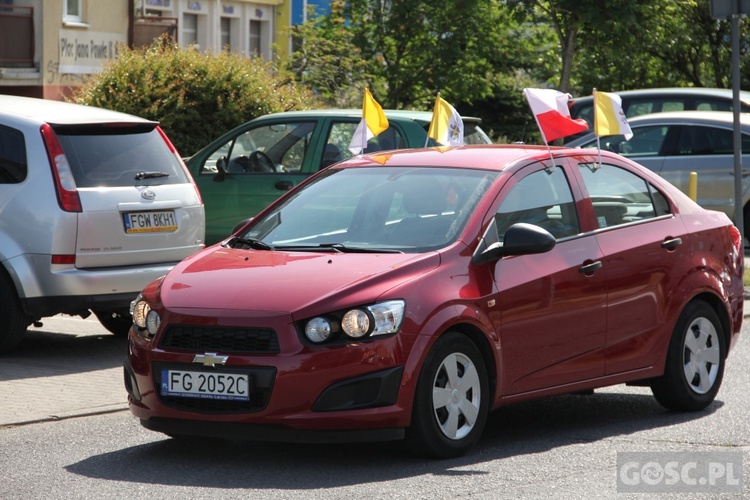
x,y
678,143
94,205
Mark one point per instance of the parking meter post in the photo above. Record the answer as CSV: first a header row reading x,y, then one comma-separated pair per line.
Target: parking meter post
x,y
693,186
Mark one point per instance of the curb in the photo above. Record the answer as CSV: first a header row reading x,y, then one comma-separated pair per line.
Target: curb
x,y
83,412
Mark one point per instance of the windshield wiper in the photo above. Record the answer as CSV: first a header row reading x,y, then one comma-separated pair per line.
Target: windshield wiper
x,y
338,248
252,243
149,175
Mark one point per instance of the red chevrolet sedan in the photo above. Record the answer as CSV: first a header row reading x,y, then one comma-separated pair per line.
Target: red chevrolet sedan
x,y
406,295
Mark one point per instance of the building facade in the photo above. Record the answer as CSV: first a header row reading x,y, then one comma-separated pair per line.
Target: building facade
x,y
49,46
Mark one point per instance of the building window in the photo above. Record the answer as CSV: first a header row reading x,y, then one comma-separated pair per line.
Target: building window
x,y
73,11
189,30
226,42
254,42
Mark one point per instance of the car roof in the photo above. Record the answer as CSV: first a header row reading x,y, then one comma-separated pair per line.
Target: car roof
x,y
59,112
498,157
714,117
394,114
672,91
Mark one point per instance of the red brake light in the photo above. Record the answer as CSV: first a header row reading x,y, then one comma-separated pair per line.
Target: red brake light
x,y
65,184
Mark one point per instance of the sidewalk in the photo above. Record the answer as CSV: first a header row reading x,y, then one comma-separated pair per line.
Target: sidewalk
x,y
69,367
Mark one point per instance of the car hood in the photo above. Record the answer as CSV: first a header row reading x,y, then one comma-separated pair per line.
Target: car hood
x,y
305,283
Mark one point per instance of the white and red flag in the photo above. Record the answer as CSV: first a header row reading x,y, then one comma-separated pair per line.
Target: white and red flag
x,y
550,109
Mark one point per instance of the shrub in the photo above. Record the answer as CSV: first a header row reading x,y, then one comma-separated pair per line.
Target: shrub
x,y
195,96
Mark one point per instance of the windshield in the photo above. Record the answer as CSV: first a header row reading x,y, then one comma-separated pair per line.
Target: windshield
x,y
401,209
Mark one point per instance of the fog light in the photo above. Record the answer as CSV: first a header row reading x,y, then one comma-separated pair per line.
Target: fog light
x,y
153,321
318,330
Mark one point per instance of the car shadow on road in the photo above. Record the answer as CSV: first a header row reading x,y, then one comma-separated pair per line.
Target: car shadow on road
x,y
526,428
46,354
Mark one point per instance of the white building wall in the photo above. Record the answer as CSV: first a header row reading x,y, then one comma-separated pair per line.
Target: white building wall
x,y
209,14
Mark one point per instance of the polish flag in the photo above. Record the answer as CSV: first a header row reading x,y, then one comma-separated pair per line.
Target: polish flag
x,y
550,109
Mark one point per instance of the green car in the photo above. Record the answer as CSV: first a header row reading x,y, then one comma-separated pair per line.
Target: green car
x,y
244,170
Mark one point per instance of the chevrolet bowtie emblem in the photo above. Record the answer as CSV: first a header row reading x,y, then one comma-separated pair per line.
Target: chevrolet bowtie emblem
x,y
210,359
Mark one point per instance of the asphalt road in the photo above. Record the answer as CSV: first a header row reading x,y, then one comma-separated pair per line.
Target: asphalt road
x,y
560,447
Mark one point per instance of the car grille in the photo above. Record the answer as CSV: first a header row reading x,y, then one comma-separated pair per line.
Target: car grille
x,y
220,339
261,382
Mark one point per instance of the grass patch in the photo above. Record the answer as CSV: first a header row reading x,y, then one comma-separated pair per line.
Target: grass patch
x,y
746,277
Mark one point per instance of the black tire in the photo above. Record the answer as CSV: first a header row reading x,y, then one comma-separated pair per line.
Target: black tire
x,y
117,322
449,428
13,320
695,361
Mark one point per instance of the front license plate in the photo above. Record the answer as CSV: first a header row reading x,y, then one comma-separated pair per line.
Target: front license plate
x,y
205,385
149,222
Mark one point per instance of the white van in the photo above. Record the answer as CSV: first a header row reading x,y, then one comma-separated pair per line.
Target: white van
x,y
94,204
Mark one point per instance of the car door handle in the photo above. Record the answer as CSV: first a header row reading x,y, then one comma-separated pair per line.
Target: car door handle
x,y
284,185
671,243
590,268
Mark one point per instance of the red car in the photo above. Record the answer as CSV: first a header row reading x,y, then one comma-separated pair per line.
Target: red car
x,y
406,295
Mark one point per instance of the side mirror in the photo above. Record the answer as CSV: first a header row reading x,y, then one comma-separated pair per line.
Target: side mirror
x,y
520,239
221,169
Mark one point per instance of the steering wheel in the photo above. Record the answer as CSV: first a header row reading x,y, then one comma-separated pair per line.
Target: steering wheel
x,y
260,162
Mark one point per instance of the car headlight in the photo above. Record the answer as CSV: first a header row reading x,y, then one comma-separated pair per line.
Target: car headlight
x,y
144,318
318,330
378,319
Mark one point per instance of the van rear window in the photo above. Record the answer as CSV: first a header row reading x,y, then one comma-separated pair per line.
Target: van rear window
x,y
113,156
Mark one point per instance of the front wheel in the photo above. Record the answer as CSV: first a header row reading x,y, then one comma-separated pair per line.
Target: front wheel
x,y
695,361
117,322
451,400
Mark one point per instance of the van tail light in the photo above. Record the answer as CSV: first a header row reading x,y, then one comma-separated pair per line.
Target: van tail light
x,y
182,163
65,184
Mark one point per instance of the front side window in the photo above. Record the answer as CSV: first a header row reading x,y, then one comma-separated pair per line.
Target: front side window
x,y
544,199
275,148
646,141
621,197
13,166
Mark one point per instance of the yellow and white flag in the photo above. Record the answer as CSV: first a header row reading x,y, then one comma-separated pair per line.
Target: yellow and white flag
x,y
446,127
373,122
609,119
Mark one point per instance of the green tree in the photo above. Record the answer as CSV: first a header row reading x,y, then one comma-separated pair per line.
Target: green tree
x,y
573,21
195,96
416,48
327,60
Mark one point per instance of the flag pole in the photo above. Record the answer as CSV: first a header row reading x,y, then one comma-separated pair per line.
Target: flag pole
x,y
427,139
598,144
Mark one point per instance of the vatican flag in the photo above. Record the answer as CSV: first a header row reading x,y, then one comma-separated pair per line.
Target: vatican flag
x,y
446,127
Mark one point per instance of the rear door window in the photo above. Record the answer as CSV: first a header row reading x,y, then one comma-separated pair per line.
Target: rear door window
x,y
12,156
101,156
620,197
